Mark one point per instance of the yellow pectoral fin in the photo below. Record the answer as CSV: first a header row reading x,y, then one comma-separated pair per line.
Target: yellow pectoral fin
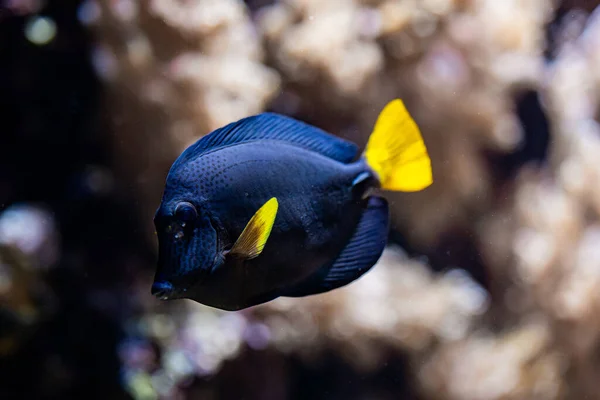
x,y
396,151
254,236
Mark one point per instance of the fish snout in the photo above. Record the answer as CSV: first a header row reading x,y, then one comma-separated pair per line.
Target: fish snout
x,y
163,290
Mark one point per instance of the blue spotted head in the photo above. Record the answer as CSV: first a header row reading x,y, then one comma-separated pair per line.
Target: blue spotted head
x,y
187,245
197,258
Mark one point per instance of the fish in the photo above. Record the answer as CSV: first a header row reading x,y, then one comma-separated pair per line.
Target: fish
x,y
270,206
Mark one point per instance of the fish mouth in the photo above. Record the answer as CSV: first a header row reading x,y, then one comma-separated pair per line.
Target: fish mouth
x,y
165,289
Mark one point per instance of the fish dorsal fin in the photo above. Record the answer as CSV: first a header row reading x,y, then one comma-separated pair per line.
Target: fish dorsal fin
x,y
254,236
271,126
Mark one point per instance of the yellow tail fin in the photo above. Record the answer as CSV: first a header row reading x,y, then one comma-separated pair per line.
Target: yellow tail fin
x,y
396,151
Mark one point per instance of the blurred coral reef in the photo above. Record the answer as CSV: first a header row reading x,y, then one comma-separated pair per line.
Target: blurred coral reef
x,y
174,69
491,284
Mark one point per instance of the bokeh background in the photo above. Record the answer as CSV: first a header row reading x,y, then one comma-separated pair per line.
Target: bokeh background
x,y
489,290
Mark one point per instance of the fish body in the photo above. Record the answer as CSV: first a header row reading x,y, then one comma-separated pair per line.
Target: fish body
x,y
317,226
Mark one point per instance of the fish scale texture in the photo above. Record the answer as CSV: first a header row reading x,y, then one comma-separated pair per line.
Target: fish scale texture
x,y
240,179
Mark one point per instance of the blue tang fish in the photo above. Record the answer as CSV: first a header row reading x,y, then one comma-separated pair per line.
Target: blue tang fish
x,y
269,206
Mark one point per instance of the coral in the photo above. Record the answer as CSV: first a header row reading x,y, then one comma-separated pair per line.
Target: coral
x,y
28,246
457,64
519,364
174,71
552,238
564,280
399,306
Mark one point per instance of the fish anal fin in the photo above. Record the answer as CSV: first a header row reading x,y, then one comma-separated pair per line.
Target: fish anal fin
x,y
253,238
360,254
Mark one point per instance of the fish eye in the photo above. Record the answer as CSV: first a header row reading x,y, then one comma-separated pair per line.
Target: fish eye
x,y
185,212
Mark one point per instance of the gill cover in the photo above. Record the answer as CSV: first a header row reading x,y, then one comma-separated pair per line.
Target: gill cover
x,y
396,151
253,238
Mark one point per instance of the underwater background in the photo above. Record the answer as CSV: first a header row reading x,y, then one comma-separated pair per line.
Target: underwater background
x,y
489,289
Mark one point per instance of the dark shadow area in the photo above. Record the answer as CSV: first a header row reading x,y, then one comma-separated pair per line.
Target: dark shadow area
x,y
52,141
536,139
